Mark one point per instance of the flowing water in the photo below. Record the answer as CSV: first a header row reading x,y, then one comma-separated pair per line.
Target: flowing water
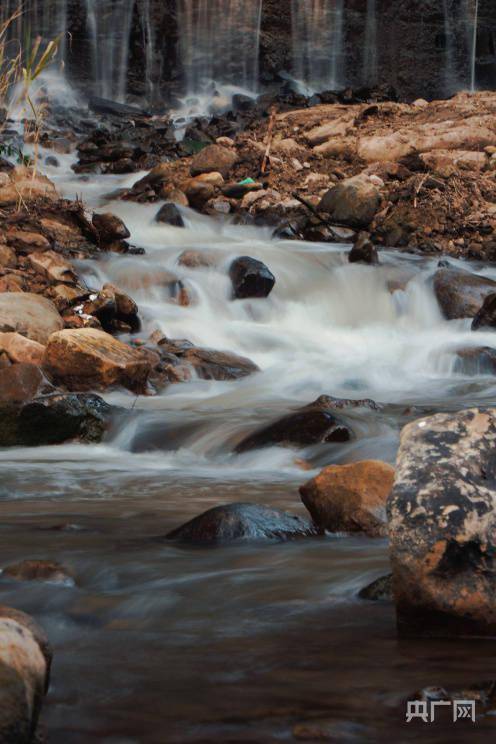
x,y
318,27
159,643
370,66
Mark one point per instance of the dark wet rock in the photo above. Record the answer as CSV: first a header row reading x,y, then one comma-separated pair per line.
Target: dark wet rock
x,y
442,526
352,202
214,158
169,214
233,522
460,294
110,227
124,110
350,498
199,193
363,251
379,590
54,419
219,365
114,309
478,360
250,278
486,317
53,161
25,660
308,425
39,570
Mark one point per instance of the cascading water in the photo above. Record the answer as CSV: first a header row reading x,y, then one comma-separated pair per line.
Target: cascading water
x,y
370,50
219,43
109,30
34,18
449,48
318,43
473,56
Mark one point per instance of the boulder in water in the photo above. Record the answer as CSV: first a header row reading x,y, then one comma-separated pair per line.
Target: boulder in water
x,y
219,365
475,360
250,278
363,251
308,425
25,660
460,294
486,316
54,419
86,357
379,590
214,158
352,202
233,522
199,192
442,525
110,227
169,214
350,498
30,315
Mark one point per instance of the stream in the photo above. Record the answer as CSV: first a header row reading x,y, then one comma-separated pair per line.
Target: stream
x,y
255,642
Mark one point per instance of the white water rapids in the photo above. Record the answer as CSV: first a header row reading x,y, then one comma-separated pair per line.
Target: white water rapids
x,y
158,642
327,328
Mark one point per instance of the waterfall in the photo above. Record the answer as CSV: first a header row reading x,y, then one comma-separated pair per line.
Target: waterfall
x,y
109,29
38,18
219,41
318,43
449,48
370,53
474,46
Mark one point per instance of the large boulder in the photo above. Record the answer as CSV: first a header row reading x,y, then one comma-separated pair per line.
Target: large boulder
x,y
350,498
214,158
54,419
310,424
170,214
30,315
224,524
460,294
87,358
442,525
250,278
25,660
353,202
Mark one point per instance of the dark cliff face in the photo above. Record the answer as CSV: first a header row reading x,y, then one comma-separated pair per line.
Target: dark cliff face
x,y
416,49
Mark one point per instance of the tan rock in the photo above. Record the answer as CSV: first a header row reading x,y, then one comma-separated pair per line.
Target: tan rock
x,y
28,240
8,258
214,158
19,383
216,179
350,498
12,283
21,349
337,128
194,259
173,195
25,659
87,358
53,266
26,184
199,192
30,315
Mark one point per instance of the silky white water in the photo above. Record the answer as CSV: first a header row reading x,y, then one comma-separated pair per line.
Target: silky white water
x,y
327,328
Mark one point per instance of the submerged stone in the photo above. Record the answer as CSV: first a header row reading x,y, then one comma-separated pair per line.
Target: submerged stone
x,y
233,522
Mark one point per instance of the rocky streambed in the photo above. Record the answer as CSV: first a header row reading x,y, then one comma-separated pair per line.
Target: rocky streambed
x,y
206,363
